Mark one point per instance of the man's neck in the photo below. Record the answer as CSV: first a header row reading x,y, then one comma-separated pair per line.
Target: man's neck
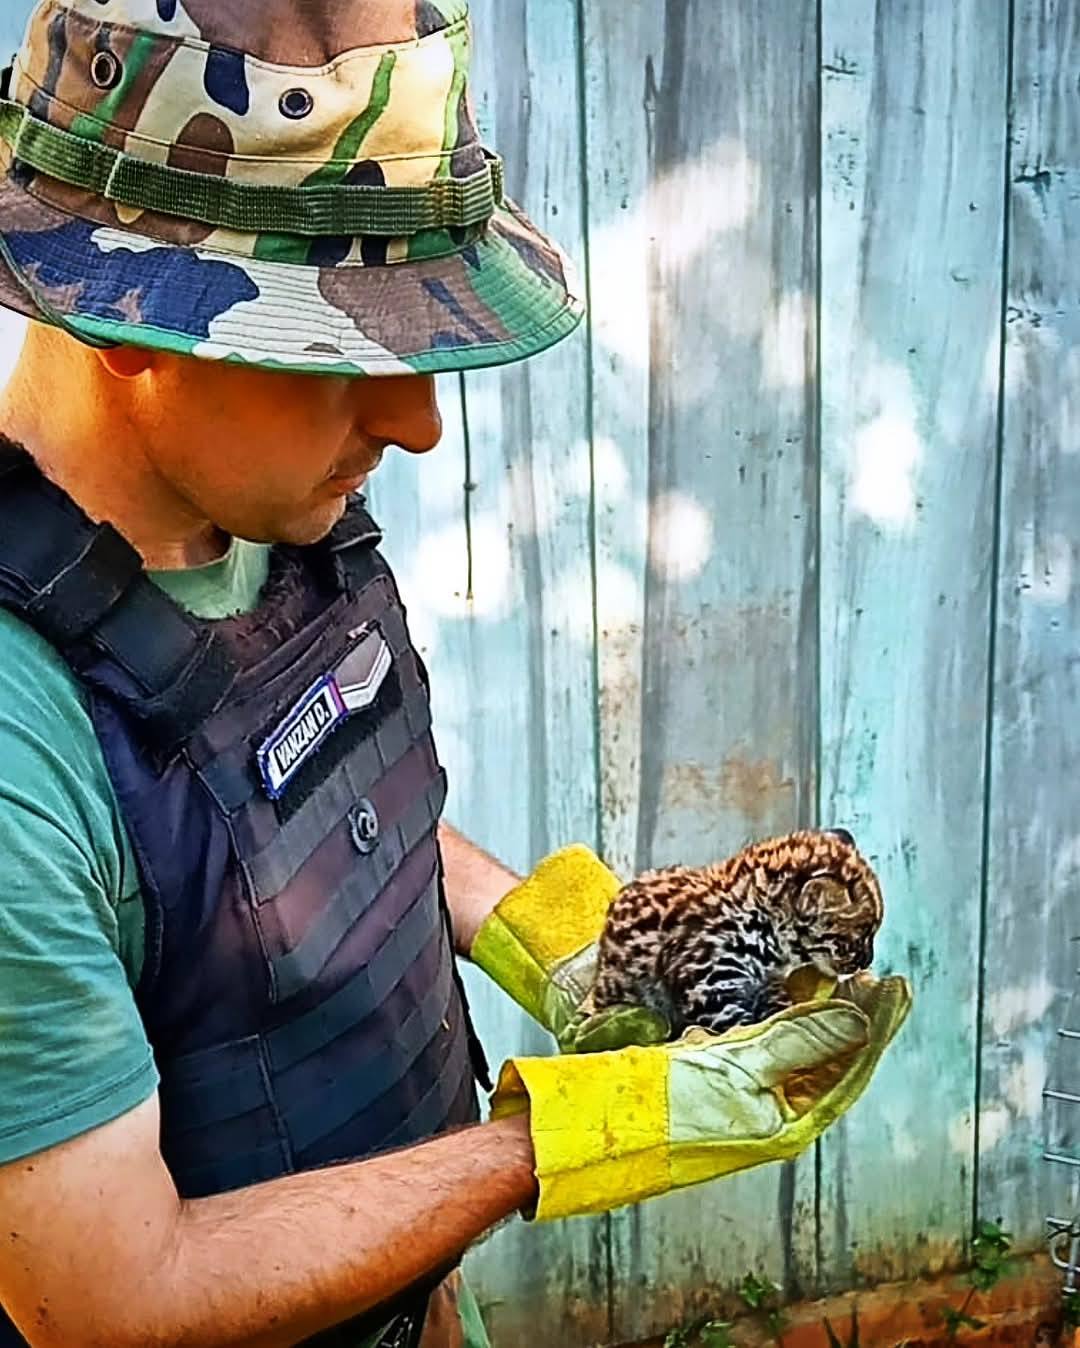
x,y
120,486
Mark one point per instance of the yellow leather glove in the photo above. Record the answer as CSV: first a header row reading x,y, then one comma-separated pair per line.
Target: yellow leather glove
x,y
617,1127
540,943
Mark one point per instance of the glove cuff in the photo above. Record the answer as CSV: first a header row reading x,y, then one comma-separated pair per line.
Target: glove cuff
x,y
599,1126
539,928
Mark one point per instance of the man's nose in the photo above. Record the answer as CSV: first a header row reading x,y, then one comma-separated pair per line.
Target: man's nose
x,y
403,410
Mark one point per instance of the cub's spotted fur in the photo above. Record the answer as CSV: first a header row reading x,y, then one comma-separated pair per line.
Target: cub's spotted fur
x,y
713,946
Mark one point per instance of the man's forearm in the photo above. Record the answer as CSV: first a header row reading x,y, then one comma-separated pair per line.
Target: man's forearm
x,y
113,1259
270,1265
475,882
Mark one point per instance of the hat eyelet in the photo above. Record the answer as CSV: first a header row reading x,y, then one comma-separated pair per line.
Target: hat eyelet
x,y
106,70
296,104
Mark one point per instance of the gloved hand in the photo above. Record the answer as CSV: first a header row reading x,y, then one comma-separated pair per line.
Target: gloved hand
x,y
615,1128
540,943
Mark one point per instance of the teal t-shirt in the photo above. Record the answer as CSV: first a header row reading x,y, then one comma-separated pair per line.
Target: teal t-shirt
x,y
73,1052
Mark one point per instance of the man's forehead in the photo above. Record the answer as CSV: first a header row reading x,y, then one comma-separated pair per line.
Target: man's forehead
x,y
283,32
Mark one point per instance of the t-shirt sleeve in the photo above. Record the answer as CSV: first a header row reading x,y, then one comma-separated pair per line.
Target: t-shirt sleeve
x,y
73,1051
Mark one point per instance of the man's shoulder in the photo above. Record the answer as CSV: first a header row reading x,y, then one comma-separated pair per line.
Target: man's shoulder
x,y
54,778
34,677
73,1054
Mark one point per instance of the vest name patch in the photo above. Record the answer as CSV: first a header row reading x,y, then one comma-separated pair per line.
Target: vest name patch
x,y
351,687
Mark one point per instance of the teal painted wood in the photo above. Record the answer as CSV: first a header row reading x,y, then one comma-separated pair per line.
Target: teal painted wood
x,y
702,163
13,16
699,444
913,164
554,1276
12,24
505,588
1032,917
620,48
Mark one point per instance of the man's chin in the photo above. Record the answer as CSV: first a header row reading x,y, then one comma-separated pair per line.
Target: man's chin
x,y
301,532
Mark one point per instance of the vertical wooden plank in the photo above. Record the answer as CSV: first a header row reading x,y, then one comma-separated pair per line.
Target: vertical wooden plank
x,y
913,144
12,23
499,579
622,47
702,136
1034,854
13,17
549,1281
12,331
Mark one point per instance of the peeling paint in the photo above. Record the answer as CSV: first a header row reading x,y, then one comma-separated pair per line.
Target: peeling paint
x,y
1019,1004
1039,179
961,1134
756,788
1024,1083
1046,573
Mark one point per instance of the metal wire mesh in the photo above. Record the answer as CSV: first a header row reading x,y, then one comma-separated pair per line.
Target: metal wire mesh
x,y
1062,1114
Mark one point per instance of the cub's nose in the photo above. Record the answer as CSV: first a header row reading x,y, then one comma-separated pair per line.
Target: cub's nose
x,y
843,835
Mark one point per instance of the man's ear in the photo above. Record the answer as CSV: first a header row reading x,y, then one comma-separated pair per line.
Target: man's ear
x,y
126,362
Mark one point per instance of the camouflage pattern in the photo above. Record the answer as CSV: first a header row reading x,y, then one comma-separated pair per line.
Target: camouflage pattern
x,y
331,92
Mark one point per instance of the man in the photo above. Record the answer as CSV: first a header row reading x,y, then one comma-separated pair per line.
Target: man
x,y
233,1041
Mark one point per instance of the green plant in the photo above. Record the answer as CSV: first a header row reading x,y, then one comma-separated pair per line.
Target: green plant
x,y
990,1248
1070,1308
716,1334
704,1332
990,1255
756,1293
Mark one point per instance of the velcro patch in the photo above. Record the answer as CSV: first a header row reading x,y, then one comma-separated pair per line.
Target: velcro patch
x,y
352,686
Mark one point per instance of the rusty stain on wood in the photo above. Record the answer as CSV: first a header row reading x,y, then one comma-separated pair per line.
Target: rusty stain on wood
x,y
758,789
1023,1309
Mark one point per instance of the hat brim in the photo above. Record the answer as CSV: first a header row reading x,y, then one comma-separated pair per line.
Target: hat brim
x,y
506,296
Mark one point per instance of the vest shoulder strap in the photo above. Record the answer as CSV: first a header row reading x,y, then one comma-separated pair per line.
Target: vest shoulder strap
x,y
83,588
347,558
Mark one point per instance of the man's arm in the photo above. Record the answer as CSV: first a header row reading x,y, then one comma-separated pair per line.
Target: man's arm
x,y
97,1248
475,882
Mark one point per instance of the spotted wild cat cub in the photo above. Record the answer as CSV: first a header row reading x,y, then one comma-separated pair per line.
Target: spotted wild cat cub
x,y
713,946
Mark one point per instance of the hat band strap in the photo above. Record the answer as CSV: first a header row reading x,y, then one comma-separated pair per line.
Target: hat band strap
x,y
335,209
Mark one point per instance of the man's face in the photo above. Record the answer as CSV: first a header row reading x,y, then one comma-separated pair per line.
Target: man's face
x,y
272,457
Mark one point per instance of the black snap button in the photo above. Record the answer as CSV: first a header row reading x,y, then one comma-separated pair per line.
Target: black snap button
x,y
364,826
106,70
296,103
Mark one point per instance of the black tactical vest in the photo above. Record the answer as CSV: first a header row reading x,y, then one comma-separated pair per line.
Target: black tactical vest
x,y
280,786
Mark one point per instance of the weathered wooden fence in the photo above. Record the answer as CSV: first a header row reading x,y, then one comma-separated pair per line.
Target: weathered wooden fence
x,y
789,534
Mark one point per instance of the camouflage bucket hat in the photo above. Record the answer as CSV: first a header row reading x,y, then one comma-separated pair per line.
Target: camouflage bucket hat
x,y
296,184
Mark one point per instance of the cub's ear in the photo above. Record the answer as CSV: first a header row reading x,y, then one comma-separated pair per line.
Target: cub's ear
x,y
820,895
